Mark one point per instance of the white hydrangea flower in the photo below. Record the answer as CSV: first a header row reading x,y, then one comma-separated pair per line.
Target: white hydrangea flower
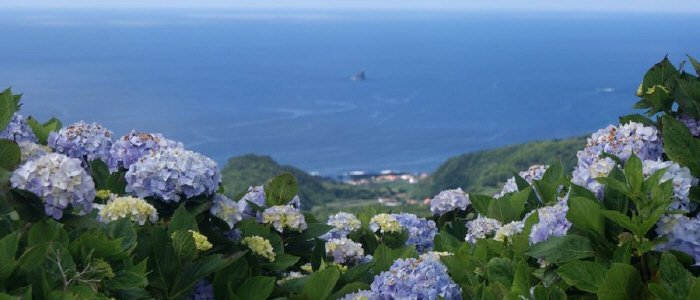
x,y
138,210
284,216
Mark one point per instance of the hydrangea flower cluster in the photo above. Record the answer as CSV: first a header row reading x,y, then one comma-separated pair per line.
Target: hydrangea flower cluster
x,y
621,141
359,295
535,172
343,224
289,276
681,178
59,181
480,228
130,148
690,122
509,230
226,209
138,210
260,246
345,251
421,232
683,235
552,222
256,195
18,130
201,241
31,150
449,200
415,279
384,223
284,216
171,172
203,290
83,141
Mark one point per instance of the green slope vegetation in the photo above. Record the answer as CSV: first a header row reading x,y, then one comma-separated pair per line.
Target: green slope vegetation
x,y
249,170
486,171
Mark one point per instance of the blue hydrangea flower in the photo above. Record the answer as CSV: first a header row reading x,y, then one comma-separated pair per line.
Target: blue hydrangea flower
x,y
421,232
683,234
60,181
415,279
256,195
171,172
552,222
480,228
359,295
226,209
345,251
30,150
203,290
690,122
343,224
130,148
621,141
535,172
681,178
449,200
18,130
83,141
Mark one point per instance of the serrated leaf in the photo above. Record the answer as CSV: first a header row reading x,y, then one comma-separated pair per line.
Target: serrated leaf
x,y
585,214
9,155
561,249
280,190
680,145
182,220
320,284
256,288
8,108
688,96
509,207
622,282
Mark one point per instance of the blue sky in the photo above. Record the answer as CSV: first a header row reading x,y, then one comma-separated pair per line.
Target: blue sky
x,y
687,6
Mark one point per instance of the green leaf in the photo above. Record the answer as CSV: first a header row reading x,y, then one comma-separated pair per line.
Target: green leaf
x,y
445,242
280,190
349,288
584,275
384,257
29,207
100,174
561,249
182,220
46,232
623,254
633,173
554,173
674,277
687,94
313,230
521,280
320,284
184,245
637,118
281,263
500,270
680,145
481,203
509,207
123,229
694,290
695,64
34,257
622,282
256,288
8,108
8,245
10,155
621,220
586,214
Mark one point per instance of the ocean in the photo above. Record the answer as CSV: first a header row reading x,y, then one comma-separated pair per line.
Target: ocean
x,y
439,84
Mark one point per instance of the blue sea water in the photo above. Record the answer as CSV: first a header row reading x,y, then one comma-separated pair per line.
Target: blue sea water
x,y
439,84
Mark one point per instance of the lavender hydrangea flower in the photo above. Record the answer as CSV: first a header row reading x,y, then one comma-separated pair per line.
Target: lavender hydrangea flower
x,y
30,150
480,228
683,234
83,141
345,251
343,223
130,148
226,209
256,195
552,222
18,130
171,172
509,230
421,232
449,200
690,122
415,279
681,178
59,181
359,295
203,290
284,216
621,141
534,172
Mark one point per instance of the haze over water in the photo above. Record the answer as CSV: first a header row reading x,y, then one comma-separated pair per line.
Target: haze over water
x,y
230,82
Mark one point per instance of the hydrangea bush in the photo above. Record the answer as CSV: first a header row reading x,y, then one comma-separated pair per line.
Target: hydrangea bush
x,y
623,224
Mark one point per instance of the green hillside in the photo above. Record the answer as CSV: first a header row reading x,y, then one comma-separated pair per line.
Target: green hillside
x,y
248,170
486,171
